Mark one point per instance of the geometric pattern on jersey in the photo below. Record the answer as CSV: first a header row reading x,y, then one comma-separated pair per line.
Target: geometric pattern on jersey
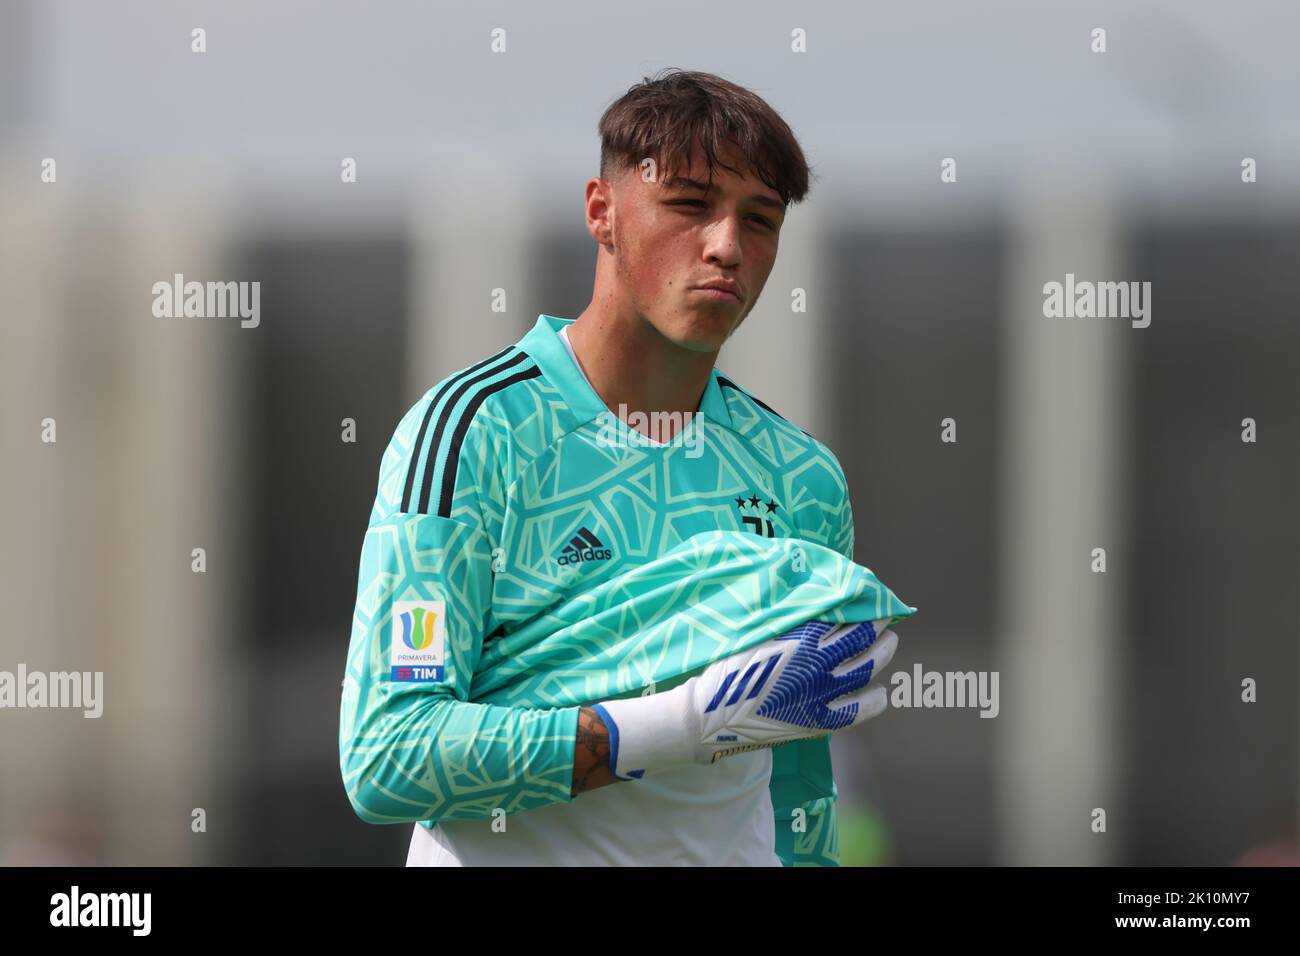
x,y
818,843
717,593
487,479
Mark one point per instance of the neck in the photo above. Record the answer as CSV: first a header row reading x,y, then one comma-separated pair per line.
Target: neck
x,y
631,364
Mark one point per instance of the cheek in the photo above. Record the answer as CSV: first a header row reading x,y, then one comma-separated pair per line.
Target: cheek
x,y
656,261
760,259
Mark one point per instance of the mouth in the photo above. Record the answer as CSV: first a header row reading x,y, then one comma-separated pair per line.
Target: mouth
x,y
719,295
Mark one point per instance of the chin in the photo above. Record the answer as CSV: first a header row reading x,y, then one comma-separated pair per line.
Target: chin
x,y
704,330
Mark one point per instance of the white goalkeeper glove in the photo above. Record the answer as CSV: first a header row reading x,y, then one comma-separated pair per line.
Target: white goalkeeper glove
x,y
772,693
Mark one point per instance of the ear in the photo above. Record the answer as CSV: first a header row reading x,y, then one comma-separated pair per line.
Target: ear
x,y
600,210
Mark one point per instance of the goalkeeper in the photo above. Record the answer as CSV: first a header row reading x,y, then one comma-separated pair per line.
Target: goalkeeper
x,y
513,488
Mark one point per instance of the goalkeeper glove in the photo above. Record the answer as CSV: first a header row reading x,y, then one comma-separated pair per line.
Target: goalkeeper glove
x,y
772,693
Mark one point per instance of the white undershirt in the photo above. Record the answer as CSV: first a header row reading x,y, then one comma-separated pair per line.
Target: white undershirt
x,y
696,815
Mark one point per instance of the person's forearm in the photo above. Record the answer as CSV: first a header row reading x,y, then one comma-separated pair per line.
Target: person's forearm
x,y
408,756
591,753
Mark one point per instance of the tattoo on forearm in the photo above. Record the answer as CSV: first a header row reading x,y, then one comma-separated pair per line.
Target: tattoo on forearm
x,y
591,755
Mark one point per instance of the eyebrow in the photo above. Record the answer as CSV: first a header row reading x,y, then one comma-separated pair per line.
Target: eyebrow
x,y
683,182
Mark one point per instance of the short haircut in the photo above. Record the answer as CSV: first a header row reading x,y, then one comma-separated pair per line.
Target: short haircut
x,y
667,117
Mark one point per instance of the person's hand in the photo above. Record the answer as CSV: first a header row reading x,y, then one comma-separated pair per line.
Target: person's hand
x,y
809,682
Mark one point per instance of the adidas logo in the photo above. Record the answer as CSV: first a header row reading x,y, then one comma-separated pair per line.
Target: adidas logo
x,y
584,546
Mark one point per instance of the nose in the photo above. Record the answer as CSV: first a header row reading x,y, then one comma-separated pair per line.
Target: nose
x,y
722,242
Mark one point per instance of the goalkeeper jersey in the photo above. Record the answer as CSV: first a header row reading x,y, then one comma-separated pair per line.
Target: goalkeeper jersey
x,y
506,489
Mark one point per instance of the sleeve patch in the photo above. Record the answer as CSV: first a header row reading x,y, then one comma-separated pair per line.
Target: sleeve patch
x,y
419,641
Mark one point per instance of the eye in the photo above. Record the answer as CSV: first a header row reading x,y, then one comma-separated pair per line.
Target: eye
x,y
700,203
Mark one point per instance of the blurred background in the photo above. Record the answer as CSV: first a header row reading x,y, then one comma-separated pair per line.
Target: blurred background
x,y
1119,690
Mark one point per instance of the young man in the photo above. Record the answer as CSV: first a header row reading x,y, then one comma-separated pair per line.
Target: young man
x,y
498,500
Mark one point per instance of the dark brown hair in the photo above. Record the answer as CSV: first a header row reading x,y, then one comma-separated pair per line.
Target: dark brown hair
x,y
665,117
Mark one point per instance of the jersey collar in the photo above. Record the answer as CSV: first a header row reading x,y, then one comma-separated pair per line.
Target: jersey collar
x,y
543,344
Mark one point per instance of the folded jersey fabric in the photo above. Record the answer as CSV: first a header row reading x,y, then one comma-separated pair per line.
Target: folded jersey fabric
x,y
716,593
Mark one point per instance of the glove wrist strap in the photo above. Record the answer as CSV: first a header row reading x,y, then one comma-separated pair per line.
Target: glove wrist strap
x,y
647,734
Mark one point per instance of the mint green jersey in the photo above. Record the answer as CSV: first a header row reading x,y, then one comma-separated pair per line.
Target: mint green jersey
x,y
509,489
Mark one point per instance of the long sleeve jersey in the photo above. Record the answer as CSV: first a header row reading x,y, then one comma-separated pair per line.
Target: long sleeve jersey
x,y
504,491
